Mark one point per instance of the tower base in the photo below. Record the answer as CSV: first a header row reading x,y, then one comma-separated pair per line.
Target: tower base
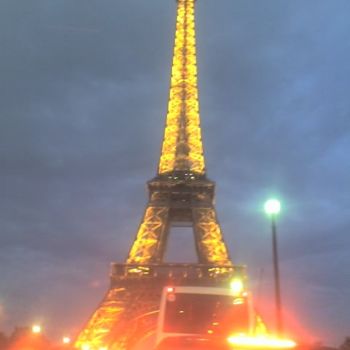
x,y
129,310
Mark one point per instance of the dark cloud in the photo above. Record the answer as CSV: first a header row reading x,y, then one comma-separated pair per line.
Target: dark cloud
x,y
83,99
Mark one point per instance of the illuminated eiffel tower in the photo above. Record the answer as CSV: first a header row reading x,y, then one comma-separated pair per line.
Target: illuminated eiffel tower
x,y
180,194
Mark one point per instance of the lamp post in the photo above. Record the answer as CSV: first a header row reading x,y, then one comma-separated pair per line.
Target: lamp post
x,y
272,208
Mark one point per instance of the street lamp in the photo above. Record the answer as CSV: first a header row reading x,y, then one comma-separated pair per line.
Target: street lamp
x,y
272,208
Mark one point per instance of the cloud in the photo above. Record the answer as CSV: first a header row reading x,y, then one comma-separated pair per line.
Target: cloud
x,y
83,102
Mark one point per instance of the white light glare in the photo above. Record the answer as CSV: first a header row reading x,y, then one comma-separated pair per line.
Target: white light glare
x,y
261,342
66,340
272,206
36,329
237,286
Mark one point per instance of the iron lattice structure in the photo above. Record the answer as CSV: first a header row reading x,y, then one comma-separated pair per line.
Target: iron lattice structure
x,y
180,194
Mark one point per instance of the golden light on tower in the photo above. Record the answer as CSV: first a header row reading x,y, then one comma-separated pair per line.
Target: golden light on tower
x,y
182,145
182,150
181,163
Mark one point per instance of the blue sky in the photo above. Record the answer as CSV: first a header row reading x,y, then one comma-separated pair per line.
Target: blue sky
x,y
84,87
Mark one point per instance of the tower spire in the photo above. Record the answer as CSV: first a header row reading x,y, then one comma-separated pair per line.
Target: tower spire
x,y
182,148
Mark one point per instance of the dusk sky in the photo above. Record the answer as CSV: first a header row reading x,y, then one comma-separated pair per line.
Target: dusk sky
x,y
84,88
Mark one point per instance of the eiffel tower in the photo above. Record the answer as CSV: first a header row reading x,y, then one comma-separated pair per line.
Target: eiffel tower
x,y
180,194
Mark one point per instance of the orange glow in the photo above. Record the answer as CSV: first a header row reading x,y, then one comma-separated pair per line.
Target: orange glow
x,y
170,289
261,342
93,336
238,301
294,324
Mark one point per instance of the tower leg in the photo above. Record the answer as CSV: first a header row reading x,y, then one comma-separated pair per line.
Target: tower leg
x,y
127,313
210,244
109,312
150,241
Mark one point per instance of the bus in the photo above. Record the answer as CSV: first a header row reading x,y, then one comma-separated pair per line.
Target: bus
x,y
203,318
